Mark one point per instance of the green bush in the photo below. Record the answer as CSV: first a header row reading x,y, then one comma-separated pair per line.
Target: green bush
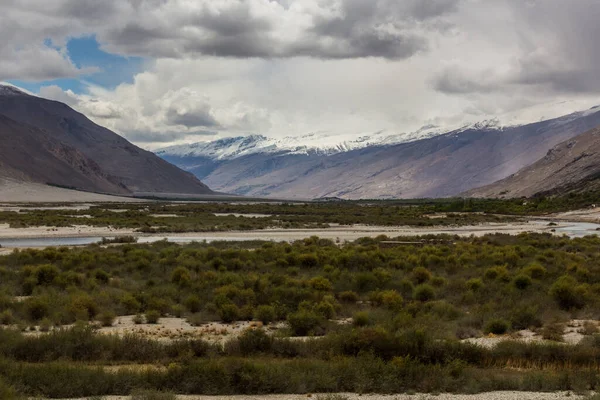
x,y
348,297
265,314
152,316
361,319
107,318
424,293
496,326
567,293
7,317
421,275
229,313
253,341
522,282
193,303
304,322
474,284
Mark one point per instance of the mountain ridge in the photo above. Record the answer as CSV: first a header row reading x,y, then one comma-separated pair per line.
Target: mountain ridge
x,y
46,141
573,165
442,165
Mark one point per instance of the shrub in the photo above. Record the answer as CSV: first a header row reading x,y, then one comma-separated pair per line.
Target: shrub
x,y
45,325
500,273
304,322
553,332
348,297
525,317
496,326
181,276
567,294
36,308
474,284
361,319
229,313
253,341
326,309
421,275
522,282
7,392
265,314
535,271
389,299
138,319
6,317
107,318
152,316
178,310
424,293
320,283
193,303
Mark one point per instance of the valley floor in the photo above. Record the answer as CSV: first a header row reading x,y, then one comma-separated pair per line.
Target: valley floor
x,y
27,192
337,233
351,396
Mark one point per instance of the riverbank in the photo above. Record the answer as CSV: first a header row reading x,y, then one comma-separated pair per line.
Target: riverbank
x,y
33,237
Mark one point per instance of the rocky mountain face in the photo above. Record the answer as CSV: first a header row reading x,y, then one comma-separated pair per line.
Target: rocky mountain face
x,y
438,165
48,142
573,165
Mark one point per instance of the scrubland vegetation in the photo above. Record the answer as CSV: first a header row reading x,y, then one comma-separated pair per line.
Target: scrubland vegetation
x,y
405,310
162,218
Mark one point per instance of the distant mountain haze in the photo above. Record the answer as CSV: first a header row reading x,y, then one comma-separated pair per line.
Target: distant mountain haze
x,y
573,165
48,142
394,166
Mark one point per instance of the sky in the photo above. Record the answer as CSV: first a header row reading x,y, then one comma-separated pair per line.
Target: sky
x,y
163,72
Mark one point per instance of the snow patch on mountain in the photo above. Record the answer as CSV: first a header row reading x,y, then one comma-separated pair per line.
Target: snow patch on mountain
x,y
318,143
10,90
327,144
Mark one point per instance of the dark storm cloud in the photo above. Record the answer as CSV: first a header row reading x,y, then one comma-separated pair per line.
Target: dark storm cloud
x,y
255,28
192,119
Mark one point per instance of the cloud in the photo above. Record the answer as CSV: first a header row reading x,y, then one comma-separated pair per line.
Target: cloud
x,y
556,52
37,63
291,67
191,119
158,139
334,29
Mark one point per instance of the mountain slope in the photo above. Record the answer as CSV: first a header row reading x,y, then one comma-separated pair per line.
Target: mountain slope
x,y
443,165
52,143
571,165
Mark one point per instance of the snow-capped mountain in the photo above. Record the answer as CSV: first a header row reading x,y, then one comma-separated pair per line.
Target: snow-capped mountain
x,y
430,162
314,143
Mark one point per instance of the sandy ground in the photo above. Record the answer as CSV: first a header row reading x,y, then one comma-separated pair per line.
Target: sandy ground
x,y
586,215
26,192
350,233
572,335
178,328
351,396
339,234
58,232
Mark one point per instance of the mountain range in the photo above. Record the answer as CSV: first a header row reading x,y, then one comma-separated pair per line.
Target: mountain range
x,y
571,166
47,142
427,163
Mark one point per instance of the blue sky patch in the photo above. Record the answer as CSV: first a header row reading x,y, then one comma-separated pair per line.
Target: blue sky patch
x,y
85,52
